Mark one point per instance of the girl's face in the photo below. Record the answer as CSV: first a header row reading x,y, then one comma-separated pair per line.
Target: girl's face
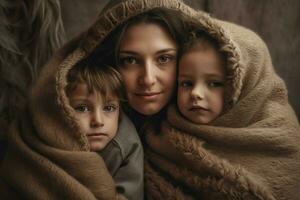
x,y
148,66
201,86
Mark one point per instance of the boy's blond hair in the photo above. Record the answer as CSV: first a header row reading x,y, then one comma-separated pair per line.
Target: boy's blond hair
x,y
103,79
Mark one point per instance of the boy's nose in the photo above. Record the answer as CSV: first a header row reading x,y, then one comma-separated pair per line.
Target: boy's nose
x,y
97,119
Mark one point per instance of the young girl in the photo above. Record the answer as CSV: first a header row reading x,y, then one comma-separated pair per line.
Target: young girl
x,y
201,79
94,94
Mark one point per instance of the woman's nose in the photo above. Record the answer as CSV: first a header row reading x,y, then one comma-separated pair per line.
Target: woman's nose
x,y
148,76
97,119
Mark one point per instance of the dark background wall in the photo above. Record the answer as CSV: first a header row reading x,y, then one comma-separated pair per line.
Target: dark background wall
x,y
276,21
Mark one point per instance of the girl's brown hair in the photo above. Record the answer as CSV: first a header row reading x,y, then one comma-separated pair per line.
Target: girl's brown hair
x,y
199,40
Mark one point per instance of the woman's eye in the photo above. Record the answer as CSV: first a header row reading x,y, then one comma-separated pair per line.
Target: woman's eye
x,y
129,60
82,108
110,108
164,59
186,84
215,84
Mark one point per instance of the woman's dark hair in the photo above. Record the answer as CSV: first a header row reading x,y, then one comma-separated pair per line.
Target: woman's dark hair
x,y
107,53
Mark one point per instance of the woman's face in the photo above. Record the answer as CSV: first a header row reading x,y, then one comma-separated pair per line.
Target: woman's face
x,y
148,66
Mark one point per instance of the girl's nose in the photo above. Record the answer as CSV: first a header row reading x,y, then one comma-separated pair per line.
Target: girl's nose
x,y
198,92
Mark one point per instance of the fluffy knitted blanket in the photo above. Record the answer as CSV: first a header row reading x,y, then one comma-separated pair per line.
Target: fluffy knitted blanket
x,y
186,161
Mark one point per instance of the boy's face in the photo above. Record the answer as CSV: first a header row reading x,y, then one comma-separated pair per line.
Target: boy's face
x,y
97,118
201,79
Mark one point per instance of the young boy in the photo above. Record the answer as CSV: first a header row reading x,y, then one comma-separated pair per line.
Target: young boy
x,y
201,78
95,93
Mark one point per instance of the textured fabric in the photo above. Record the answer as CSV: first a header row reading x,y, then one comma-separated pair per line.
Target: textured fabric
x,y
124,160
48,158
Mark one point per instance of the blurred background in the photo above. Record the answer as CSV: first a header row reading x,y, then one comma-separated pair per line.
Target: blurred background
x,y
30,31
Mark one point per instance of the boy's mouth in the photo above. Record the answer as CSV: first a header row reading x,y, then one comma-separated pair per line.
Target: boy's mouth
x,y
95,134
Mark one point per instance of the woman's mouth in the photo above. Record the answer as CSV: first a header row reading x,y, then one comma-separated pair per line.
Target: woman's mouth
x,y
148,95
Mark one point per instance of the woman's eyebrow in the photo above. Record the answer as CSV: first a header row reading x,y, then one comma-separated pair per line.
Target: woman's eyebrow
x,y
158,52
166,50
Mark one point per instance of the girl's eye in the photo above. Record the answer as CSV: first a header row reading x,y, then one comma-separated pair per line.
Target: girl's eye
x,y
82,108
164,59
215,84
186,84
128,60
110,108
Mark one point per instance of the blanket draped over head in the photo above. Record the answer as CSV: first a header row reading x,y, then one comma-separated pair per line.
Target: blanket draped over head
x,y
250,152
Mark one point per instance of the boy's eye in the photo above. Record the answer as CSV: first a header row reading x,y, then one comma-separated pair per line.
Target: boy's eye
x,y
186,84
128,60
110,108
215,84
82,108
164,59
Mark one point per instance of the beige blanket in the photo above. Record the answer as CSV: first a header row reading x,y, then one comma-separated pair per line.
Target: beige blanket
x,y
48,158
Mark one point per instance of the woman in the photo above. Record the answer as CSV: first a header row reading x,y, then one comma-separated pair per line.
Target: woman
x,y
64,160
145,50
